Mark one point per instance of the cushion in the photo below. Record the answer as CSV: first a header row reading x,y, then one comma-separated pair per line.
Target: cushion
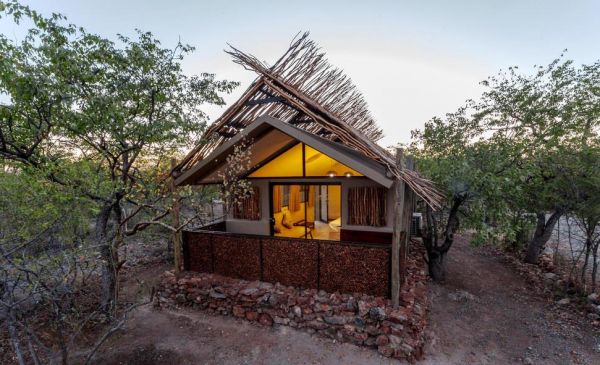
x,y
285,220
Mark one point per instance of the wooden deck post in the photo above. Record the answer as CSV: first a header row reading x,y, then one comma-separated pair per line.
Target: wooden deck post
x,y
176,235
407,213
399,190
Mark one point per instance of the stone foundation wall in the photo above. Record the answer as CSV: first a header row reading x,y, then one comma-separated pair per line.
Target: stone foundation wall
x,y
356,318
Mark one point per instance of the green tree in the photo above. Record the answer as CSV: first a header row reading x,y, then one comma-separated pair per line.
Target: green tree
x,y
499,158
116,108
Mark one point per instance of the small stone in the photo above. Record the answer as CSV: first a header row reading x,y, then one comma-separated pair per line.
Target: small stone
x,y
363,308
593,298
297,311
317,325
382,340
265,319
359,322
550,276
527,361
593,316
395,341
377,313
249,292
320,307
216,295
564,301
251,316
238,311
386,351
337,320
281,320
180,298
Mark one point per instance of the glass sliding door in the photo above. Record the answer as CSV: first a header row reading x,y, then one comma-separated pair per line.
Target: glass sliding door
x,y
306,211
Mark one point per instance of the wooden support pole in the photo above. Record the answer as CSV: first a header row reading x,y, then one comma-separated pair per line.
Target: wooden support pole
x,y
399,190
176,236
407,213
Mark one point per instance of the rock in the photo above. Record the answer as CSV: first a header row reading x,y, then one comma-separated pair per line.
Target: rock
x,y
359,322
216,295
406,349
564,301
397,316
382,340
550,276
372,330
377,313
238,311
249,292
319,307
386,351
363,308
180,298
395,341
281,320
527,361
251,316
297,311
317,325
593,298
461,296
265,319
337,320
593,316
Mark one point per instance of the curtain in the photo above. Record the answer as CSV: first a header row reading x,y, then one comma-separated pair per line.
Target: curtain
x,y
367,206
311,195
277,198
294,203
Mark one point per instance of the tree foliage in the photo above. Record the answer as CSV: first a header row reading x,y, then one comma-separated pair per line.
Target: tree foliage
x,y
502,158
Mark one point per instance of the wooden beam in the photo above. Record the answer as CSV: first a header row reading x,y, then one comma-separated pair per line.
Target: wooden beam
x,y
267,100
399,190
226,134
176,236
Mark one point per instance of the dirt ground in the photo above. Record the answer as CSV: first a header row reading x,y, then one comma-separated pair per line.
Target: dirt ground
x,y
485,313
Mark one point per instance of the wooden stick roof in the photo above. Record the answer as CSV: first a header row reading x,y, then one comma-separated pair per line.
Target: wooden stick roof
x,y
303,89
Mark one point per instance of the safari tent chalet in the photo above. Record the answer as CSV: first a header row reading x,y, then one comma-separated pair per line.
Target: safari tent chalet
x,y
327,201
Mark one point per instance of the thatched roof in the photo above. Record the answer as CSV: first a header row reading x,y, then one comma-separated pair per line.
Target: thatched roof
x,y
303,89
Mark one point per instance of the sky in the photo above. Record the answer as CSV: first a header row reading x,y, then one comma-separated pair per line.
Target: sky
x,y
412,60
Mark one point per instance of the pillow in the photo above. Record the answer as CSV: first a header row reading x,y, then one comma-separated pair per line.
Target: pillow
x,y
285,220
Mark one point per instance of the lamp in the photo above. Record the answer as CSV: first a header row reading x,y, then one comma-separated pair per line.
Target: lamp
x,y
348,174
331,173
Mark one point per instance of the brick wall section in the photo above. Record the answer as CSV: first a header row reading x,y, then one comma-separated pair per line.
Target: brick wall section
x,y
292,263
360,319
237,256
329,265
352,269
197,251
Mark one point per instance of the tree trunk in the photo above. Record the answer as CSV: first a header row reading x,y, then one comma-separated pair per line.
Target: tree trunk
x,y
437,265
586,260
108,270
543,232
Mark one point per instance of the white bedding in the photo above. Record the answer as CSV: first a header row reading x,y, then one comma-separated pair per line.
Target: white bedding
x,y
336,224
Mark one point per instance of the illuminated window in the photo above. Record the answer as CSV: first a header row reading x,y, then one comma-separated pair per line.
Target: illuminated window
x,y
319,164
289,164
